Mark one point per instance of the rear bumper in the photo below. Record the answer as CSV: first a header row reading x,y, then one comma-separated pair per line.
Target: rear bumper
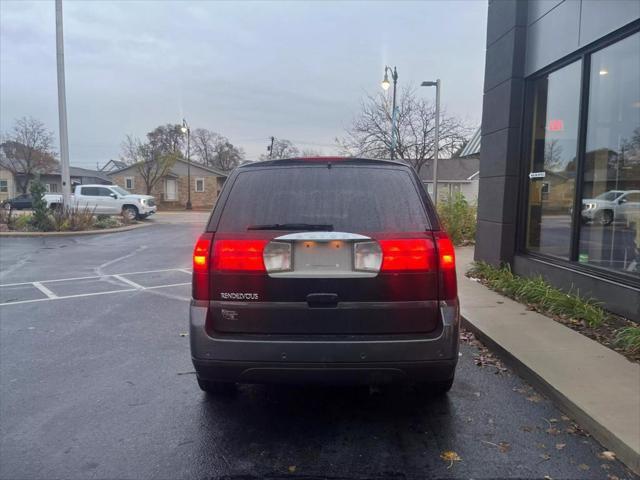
x,y
324,359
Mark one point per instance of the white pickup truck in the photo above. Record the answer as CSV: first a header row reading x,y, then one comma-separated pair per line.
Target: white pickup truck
x,y
108,200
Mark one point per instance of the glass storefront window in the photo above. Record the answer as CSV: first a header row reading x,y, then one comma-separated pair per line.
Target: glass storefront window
x,y
552,171
610,231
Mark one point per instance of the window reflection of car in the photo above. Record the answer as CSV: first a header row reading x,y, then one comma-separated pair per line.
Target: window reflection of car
x,y
20,202
610,206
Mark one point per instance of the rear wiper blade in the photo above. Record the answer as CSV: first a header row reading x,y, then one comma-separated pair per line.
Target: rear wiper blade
x,y
293,226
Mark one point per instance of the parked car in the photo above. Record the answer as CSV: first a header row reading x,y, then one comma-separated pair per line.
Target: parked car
x,y
610,206
21,202
324,270
108,200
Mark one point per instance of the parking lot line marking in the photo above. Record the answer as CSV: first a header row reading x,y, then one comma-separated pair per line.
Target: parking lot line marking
x,y
68,296
44,290
128,282
53,296
170,285
93,276
185,270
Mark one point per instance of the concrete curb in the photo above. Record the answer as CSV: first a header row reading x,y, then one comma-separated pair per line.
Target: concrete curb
x,y
73,234
599,431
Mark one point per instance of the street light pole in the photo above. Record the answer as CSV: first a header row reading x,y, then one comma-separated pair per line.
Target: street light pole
x,y
437,140
185,129
385,86
62,109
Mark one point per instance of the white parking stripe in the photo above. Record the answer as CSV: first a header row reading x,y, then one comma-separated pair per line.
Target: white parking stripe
x,y
80,295
44,290
128,282
95,276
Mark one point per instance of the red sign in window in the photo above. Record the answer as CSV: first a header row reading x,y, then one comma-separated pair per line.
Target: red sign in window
x,y
555,125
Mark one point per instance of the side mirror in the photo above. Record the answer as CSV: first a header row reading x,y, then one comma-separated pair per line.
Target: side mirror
x,y
113,195
621,201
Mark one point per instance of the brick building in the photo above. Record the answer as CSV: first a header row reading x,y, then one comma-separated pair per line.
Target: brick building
x,y
172,190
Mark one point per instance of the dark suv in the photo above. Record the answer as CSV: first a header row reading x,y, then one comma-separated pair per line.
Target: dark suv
x,y
329,270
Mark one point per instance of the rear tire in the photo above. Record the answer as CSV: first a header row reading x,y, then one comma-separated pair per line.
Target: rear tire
x,y
216,388
434,389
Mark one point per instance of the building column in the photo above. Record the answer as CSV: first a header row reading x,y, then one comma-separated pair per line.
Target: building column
x,y
503,104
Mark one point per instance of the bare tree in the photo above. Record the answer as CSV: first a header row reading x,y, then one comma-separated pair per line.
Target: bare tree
x,y
370,133
151,162
167,139
282,148
214,150
203,144
311,152
28,151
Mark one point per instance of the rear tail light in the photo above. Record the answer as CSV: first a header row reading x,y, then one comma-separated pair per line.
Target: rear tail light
x,y
201,261
448,283
277,257
408,254
238,255
367,256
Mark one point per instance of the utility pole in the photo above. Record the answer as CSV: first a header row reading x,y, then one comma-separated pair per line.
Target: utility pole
x,y
270,148
437,139
62,109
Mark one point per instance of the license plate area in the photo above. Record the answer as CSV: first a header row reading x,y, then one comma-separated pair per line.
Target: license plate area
x,y
322,255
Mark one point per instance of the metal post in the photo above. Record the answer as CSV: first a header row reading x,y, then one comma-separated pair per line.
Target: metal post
x,y
271,148
437,146
62,109
189,168
394,76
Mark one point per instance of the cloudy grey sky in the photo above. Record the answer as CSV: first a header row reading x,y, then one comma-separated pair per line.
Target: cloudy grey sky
x,y
247,70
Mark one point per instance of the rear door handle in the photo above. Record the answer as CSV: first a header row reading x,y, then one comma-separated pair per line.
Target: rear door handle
x,y
319,300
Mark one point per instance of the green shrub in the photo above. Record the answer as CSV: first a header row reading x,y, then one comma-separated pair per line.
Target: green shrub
x,y
458,219
23,223
539,294
106,222
629,339
72,218
41,220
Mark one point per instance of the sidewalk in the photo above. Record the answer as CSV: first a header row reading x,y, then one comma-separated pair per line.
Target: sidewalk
x,y
594,385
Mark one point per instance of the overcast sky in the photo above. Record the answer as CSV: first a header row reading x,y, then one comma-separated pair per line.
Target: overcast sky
x,y
247,70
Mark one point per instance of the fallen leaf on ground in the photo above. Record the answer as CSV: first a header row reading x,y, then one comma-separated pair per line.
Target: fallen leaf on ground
x,y
535,398
545,456
292,468
560,446
613,477
547,477
583,466
565,418
526,428
553,420
604,466
504,447
183,334
553,431
450,456
607,455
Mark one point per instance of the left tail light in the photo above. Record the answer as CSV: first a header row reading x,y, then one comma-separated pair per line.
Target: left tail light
x,y
201,265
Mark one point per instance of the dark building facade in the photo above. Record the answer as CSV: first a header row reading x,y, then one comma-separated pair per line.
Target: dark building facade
x,y
559,191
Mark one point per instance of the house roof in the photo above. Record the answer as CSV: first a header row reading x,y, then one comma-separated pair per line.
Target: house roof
x,y
84,172
473,145
452,170
118,164
215,171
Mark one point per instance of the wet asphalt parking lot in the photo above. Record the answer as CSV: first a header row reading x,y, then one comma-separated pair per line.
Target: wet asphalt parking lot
x,y
96,382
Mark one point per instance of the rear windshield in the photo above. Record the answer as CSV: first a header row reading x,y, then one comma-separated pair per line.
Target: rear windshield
x,y
351,199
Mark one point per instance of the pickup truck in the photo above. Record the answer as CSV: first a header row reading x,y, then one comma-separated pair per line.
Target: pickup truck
x,y
107,200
